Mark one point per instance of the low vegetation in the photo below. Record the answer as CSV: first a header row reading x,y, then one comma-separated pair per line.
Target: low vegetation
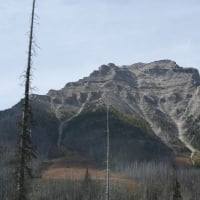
x,y
142,180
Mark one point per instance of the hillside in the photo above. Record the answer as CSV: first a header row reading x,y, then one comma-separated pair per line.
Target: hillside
x,y
154,111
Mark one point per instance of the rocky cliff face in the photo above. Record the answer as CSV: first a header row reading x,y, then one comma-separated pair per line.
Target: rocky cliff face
x,y
168,97
161,93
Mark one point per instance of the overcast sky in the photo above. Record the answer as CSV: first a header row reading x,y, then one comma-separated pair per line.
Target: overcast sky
x,y
77,36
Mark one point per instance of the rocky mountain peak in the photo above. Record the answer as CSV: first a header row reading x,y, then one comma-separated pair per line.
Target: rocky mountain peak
x,y
106,71
162,93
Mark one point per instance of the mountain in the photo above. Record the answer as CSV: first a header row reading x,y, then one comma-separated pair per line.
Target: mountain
x,y
153,108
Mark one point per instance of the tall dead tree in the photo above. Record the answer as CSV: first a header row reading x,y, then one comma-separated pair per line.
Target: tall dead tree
x,y
25,148
107,156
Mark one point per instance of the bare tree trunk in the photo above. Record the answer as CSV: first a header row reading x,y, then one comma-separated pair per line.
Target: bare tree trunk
x,y
108,158
25,148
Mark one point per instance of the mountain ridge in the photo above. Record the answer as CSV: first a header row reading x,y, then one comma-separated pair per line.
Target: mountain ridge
x,y
164,94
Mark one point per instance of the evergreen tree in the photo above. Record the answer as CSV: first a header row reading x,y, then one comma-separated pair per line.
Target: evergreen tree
x,y
87,186
176,191
25,148
176,184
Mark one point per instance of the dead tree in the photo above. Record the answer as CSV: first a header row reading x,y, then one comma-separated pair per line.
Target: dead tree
x,y
25,150
108,157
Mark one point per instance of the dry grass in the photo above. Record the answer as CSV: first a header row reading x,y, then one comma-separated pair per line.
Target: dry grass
x,y
75,167
71,173
197,159
183,159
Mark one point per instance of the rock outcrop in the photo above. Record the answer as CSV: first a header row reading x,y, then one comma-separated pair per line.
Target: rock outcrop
x,y
161,93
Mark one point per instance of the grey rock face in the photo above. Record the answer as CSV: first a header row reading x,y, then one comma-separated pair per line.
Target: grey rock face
x,y
169,94
166,95
163,93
